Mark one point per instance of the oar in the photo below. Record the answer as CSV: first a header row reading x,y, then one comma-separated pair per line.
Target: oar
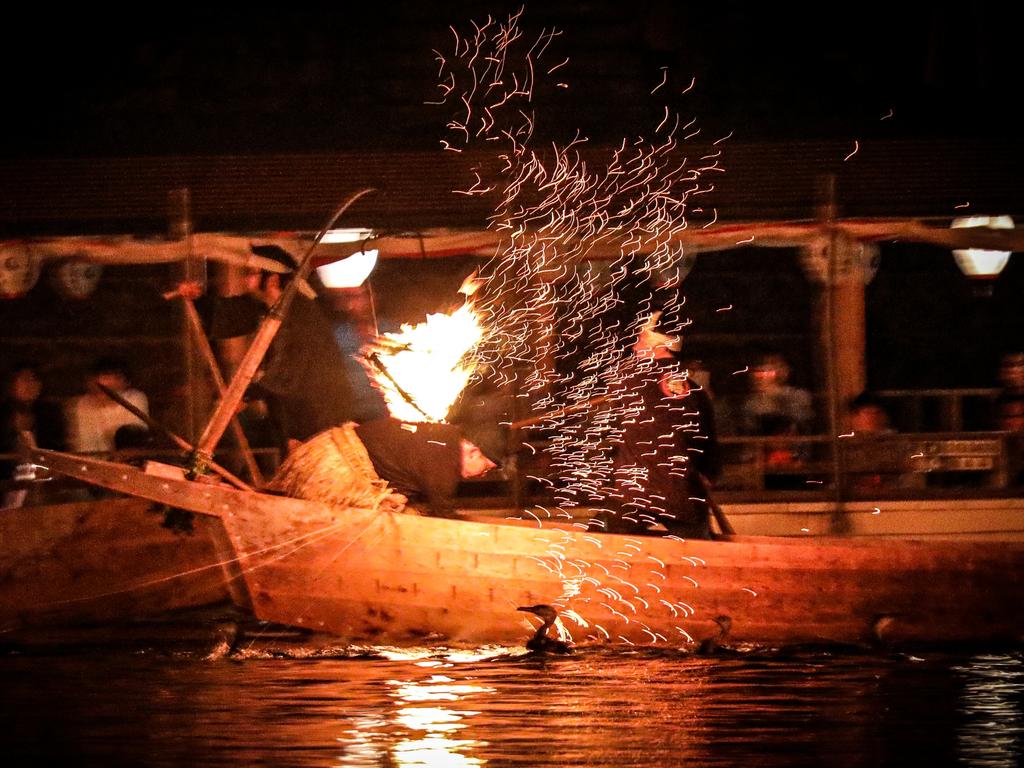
x,y
254,355
716,511
174,438
720,518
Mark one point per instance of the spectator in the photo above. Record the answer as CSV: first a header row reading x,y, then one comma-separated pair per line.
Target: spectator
x,y
871,464
775,407
1011,373
868,416
93,418
23,409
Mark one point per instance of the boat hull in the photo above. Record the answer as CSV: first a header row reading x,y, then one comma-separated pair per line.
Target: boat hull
x,y
401,578
98,561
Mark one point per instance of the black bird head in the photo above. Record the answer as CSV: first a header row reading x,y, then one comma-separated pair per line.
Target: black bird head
x,y
546,612
540,642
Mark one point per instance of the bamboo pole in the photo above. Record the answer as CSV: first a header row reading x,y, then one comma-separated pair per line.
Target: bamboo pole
x,y
175,438
211,363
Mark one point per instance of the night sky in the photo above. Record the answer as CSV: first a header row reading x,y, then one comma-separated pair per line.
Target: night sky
x,y
241,79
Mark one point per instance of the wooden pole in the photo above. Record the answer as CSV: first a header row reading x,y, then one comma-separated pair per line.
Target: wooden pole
x,y
176,439
206,351
257,350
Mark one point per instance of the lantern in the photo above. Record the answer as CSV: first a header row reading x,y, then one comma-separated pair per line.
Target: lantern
x,y
350,272
19,270
980,262
75,279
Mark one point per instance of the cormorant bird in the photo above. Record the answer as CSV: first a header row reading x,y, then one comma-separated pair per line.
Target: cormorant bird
x,y
709,646
540,642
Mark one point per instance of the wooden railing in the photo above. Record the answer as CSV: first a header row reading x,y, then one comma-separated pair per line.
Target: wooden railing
x,y
946,410
899,465
877,464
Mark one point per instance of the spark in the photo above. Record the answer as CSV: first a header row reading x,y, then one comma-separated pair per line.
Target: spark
x,y
552,209
856,147
685,634
664,79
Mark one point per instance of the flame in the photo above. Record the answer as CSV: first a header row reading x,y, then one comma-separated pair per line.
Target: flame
x,y
429,364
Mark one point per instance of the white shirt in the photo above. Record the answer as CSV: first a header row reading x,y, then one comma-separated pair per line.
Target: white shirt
x,y
93,420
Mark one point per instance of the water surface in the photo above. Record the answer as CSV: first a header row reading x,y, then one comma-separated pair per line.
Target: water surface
x,y
287,703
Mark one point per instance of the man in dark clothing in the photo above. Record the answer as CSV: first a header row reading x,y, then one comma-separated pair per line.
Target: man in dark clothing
x,y
668,445
24,409
379,464
427,460
303,373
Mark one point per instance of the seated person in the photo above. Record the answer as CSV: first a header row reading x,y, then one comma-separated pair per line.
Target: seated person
x,y
868,416
381,463
93,418
872,464
1011,373
24,409
775,407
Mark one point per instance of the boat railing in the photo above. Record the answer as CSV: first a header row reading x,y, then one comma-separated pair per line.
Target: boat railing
x,y
46,488
945,410
871,464
917,465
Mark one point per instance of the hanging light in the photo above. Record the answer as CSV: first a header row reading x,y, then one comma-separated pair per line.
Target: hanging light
x,y
346,235
980,262
350,272
19,270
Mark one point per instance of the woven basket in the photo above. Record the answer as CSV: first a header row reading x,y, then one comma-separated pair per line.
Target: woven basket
x,y
333,468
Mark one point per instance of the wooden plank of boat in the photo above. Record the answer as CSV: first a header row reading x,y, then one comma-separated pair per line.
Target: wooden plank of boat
x,y
102,560
401,578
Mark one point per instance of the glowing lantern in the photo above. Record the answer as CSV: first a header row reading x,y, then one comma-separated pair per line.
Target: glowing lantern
x,y
350,272
74,279
19,270
979,262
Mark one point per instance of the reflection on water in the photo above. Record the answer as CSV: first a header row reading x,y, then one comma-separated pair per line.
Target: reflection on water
x,y
498,706
991,710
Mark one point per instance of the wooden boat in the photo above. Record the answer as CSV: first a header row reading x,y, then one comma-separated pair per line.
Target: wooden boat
x,y
102,560
401,578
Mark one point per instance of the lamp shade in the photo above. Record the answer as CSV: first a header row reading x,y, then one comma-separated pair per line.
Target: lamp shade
x,y
19,270
350,272
980,262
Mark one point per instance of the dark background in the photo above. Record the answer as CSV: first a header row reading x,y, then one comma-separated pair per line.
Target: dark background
x,y
237,79
241,79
